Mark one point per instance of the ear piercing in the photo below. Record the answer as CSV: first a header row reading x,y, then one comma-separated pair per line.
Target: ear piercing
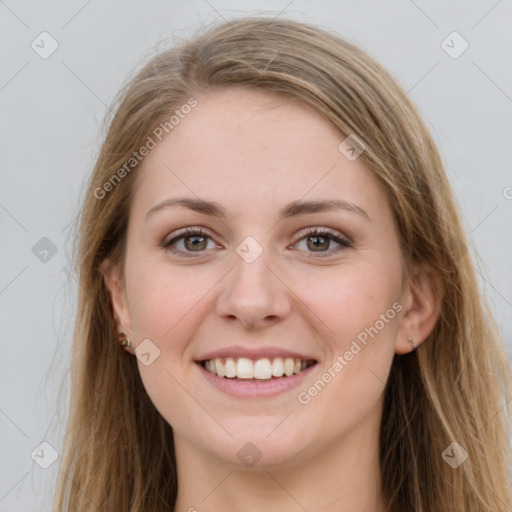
x,y
123,340
411,341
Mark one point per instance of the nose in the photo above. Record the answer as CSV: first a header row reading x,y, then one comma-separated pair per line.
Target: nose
x,y
253,294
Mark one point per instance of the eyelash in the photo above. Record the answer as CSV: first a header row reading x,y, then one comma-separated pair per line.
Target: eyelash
x,y
344,243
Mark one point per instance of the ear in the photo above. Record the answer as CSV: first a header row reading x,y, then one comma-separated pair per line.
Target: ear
x,y
421,300
114,281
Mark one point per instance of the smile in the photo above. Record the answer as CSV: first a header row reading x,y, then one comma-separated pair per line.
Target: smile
x,y
261,369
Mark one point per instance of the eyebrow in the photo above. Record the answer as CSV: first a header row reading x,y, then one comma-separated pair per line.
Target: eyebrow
x,y
292,209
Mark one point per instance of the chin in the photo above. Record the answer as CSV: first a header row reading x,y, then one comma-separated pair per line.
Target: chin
x,y
271,442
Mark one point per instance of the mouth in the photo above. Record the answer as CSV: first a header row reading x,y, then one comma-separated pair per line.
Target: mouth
x,y
259,370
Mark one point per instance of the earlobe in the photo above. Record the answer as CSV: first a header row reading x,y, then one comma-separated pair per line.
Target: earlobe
x,y
114,282
422,298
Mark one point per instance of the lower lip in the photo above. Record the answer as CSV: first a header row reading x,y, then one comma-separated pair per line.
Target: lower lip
x,y
253,388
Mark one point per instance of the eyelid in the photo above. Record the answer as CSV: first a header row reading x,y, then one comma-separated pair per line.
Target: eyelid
x,y
323,230
344,242
187,231
166,244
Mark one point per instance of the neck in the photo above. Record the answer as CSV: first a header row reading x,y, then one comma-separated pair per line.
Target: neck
x,y
344,477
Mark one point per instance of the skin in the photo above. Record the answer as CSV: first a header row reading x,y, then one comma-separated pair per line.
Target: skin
x,y
253,153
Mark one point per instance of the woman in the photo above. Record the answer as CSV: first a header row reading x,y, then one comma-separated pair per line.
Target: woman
x,y
277,309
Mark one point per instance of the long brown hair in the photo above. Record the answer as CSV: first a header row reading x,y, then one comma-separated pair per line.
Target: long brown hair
x,y
118,454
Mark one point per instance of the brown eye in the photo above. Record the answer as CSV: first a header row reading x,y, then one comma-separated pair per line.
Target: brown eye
x,y
320,241
195,242
191,240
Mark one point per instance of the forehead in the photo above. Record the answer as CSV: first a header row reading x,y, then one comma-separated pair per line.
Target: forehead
x,y
241,144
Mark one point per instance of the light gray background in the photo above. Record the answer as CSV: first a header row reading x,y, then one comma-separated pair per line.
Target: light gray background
x,y
51,114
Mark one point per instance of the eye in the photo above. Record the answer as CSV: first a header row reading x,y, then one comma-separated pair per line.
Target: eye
x,y
320,240
317,240
190,240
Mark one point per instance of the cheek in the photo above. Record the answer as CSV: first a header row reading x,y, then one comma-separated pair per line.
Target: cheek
x,y
163,299
361,311
350,301
167,306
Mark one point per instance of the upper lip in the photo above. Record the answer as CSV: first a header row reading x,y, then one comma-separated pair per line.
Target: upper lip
x,y
237,351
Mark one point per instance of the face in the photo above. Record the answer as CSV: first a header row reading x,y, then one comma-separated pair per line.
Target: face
x,y
292,265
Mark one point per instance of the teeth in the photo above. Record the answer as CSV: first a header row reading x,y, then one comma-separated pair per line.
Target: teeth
x,y
277,367
244,368
262,369
221,369
230,368
289,366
